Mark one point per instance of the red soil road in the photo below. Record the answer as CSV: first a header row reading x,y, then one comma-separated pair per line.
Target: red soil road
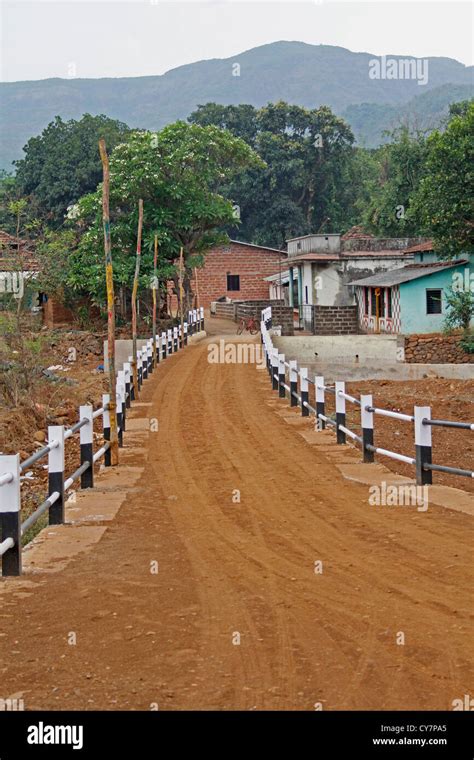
x,y
246,567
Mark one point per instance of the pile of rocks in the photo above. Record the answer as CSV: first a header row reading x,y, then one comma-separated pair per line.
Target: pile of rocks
x,y
436,349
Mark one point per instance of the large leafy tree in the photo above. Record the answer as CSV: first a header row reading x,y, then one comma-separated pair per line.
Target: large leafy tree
x,y
401,165
177,172
305,183
63,164
444,200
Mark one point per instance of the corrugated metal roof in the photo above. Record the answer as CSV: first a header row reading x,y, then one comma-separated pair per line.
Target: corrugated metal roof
x,y
404,274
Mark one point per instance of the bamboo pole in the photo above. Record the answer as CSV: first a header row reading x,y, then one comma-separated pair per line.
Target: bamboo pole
x,y
134,298
109,279
155,282
181,292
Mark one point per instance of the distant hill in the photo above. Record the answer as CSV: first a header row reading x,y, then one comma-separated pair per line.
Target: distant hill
x,y
424,112
307,75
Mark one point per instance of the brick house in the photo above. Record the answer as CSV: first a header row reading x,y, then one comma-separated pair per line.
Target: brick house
x,y
237,271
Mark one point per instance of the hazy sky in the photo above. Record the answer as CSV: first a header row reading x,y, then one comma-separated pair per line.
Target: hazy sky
x,y
85,38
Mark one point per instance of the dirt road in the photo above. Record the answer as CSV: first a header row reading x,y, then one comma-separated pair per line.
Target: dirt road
x,y
237,508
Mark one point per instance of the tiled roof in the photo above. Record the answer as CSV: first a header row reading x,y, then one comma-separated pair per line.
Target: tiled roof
x,y
426,246
356,232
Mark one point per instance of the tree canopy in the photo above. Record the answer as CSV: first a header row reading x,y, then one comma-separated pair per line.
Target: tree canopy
x,y
177,172
63,164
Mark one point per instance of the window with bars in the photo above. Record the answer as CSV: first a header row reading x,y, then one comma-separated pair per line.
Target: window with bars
x,y
433,301
233,282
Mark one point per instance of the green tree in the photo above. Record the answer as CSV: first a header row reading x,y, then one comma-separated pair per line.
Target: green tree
x,y
177,173
401,167
63,164
304,185
444,199
460,309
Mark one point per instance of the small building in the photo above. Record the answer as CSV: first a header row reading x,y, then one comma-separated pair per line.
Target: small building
x,y
237,270
322,265
412,298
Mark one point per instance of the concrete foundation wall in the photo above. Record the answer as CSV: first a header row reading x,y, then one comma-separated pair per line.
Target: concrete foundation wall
x,y
382,348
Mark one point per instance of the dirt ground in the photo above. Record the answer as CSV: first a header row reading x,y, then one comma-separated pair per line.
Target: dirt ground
x,y
237,508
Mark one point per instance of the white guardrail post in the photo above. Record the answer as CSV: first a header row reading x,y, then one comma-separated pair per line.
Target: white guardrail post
x,y
86,439
367,426
106,428
56,473
339,388
281,375
127,374
170,341
201,308
121,384
185,333
132,385
423,445
175,339
320,403
304,391
10,546
293,382
274,369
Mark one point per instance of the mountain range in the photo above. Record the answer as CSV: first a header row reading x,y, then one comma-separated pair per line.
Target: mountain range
x,y
299,73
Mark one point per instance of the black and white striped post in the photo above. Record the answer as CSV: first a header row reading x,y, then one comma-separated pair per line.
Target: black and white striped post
x,y
86,439
132,385
180,337
158,349
127,375
196,321
139,369
170,341
367,426
320,402
149,349
281,376
293,382
119,392
185,334
106,427
121,385
163,345
423,445
56,472
175,339
10,516
304,391
339,389
201,308
274,369
144,362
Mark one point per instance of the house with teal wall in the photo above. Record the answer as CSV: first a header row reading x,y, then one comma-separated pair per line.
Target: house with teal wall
x,y
412,298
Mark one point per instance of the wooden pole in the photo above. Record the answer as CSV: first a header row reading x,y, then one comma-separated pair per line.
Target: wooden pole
x,y
134,298
181,292
109,279
155,259
196,282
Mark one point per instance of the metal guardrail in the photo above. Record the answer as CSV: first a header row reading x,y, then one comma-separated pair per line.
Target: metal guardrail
x,y
12,529
279,368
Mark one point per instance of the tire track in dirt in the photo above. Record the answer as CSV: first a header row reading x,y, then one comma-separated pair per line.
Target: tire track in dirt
x,y
246,567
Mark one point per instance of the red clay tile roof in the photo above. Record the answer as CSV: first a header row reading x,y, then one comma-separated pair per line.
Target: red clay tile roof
x,y
426,246
356,232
